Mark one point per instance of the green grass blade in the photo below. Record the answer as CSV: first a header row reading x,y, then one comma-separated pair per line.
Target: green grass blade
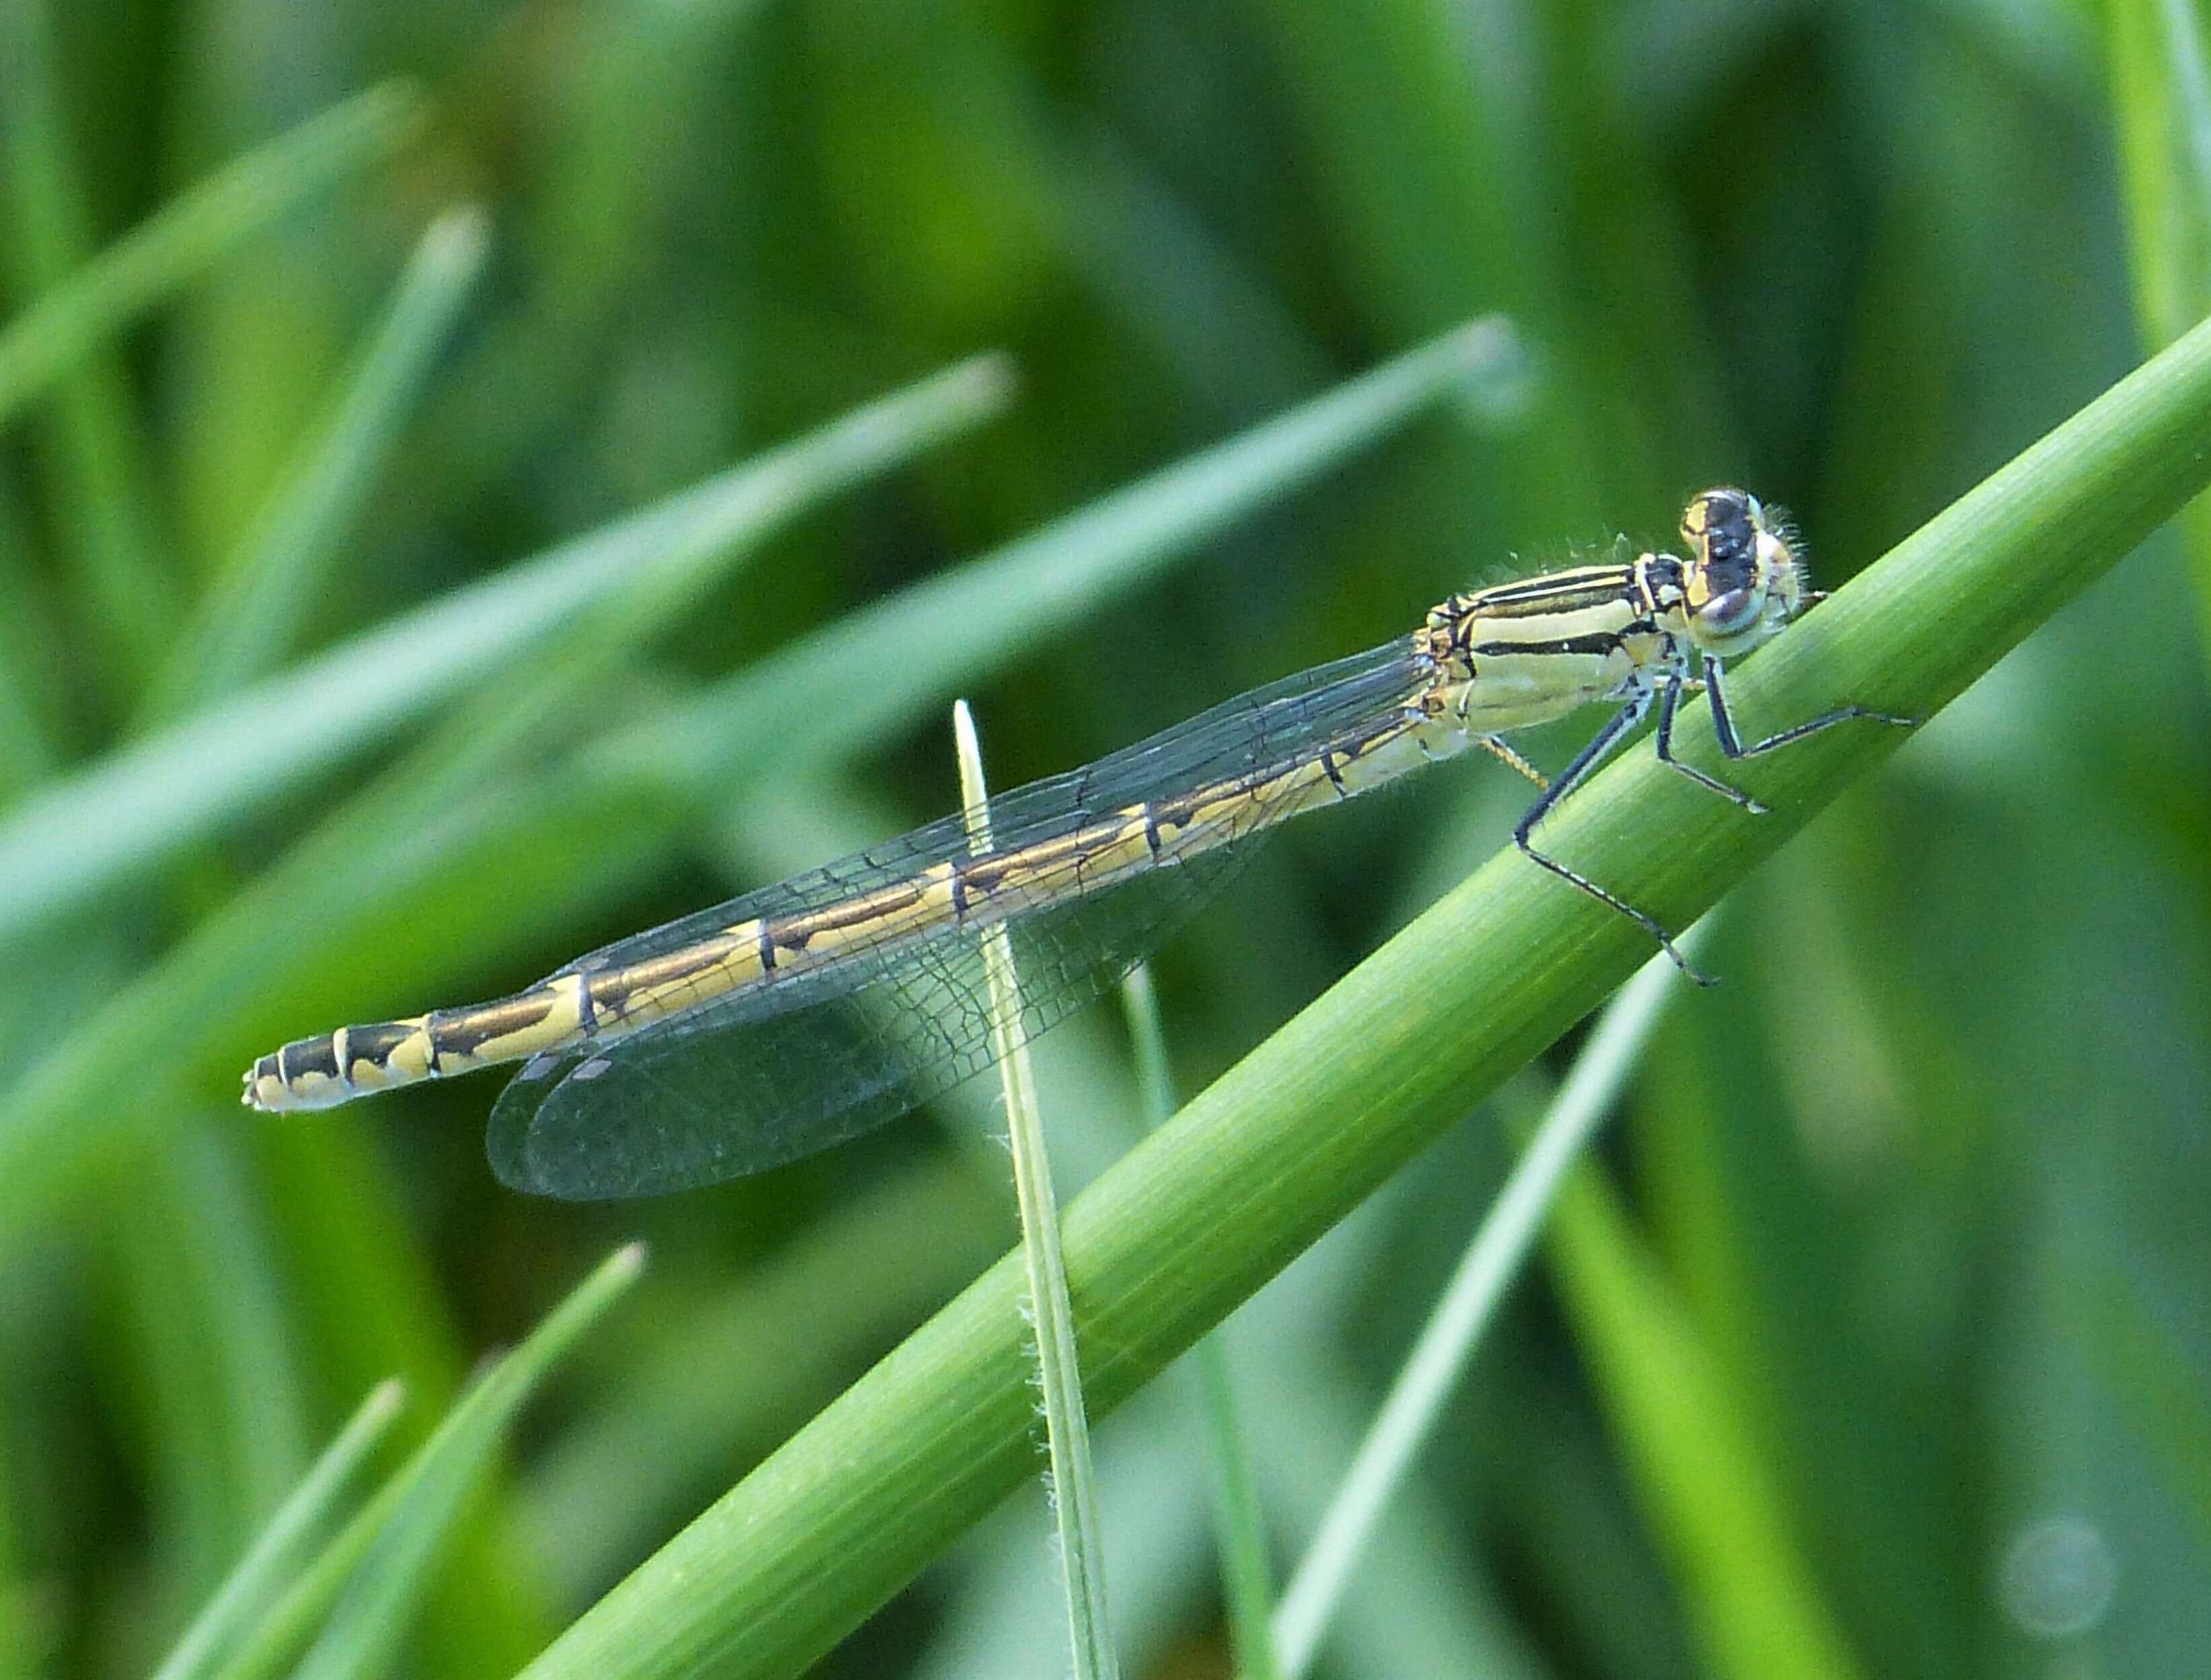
x,y
368,1581
133,810
97,457
1719,1510
276,1551
604,1490
937,634
228,1427
30,674
2160,64
1239,1528
1059,1371
249,620
1446,1343
2135,1353
29,1640
156,259
2161,103
1195,1219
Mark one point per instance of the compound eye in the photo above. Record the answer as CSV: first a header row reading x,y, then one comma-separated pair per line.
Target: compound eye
x,y
1725,614
1721,528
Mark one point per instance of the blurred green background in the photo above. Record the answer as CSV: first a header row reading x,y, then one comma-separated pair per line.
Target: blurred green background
x,y
1924,1181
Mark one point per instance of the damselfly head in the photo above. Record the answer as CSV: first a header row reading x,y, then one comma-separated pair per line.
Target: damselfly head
x,y
1744,577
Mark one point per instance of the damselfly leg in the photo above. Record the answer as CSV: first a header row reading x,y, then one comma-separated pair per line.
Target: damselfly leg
x,y
1584,766
1723,722
1677,683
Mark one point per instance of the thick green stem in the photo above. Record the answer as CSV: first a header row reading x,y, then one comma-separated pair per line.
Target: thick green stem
x,y
1199,1215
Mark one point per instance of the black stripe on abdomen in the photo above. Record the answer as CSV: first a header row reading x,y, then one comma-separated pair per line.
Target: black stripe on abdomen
x,y
309,1055
1601,646
1538,595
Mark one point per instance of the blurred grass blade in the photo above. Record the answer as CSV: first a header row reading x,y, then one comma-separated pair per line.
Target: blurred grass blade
x,y
369,1578
1193,1221
30,662
937,634
128,813
600,1493
30,1631
1059,1371
249,620
380,854
1754,1604
26,745
636,118
2160,67
1239,1529
2134,1352
1446,1343
277,1552
96,459
2161,103
154,260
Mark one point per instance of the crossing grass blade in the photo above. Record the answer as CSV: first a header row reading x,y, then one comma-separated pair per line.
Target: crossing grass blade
x,y
2161,79
1716,1501
247,623
801,700
1253,1172
155,260
278,1550
126,814
1059,1371
355,1598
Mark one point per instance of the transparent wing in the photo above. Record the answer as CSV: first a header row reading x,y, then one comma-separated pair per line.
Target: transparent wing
x,y
755,1078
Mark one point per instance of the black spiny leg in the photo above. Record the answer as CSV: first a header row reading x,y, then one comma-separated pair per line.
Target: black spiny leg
x,y
1669,699
1724,725
1571,779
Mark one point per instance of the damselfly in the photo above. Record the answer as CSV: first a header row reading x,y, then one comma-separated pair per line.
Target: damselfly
x,y
808,1013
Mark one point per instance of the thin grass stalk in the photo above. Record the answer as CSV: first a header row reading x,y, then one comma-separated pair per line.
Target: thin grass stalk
x,y
1059,1371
